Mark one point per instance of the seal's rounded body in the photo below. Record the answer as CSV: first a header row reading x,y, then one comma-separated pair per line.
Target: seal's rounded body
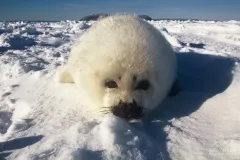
x,y
124,64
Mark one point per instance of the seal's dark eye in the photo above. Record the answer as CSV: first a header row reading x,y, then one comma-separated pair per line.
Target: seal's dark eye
x,y
111,84
143,85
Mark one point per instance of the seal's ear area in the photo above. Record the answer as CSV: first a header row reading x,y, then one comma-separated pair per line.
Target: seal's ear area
x,y
175,89
63,75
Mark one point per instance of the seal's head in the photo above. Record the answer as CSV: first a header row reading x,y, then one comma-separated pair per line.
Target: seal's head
x,y
124,64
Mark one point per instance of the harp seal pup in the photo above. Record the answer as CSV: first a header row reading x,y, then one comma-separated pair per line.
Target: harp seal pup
x,y
123,64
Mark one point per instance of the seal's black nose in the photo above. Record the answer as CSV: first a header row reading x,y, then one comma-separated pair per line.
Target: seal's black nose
x,y
128,111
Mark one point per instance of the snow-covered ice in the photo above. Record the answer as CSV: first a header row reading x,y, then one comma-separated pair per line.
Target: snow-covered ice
x,y
42,119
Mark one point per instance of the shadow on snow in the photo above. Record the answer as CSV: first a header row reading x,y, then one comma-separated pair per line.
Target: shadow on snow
x,y
17,143
201,77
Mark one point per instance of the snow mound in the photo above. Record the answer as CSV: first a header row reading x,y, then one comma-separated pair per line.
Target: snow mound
x,y
51,41
19,42
172,40
122,141
84,26
31,31
6,30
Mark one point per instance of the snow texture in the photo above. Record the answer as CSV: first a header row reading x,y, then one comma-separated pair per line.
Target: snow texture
x,y
42,119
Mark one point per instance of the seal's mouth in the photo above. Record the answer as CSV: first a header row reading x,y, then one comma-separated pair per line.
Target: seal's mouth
x,y
128,111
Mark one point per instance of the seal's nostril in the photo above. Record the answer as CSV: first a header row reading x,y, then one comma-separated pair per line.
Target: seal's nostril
x,y
134,103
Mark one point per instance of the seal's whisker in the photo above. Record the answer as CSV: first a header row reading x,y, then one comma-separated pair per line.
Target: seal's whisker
x,y
105,107
104,111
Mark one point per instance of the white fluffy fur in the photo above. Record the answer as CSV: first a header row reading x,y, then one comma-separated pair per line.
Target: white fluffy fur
x,y
121,46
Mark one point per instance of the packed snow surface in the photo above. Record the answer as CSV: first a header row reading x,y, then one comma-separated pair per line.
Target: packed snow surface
x,y
42,119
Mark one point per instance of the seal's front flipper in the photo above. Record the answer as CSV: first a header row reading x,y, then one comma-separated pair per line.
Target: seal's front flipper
x,y
63,75
175,89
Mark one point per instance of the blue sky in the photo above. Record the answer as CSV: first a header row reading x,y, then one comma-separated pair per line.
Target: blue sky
x,y
75,9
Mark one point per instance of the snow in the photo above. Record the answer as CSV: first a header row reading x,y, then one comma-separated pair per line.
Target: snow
x,y
42,119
